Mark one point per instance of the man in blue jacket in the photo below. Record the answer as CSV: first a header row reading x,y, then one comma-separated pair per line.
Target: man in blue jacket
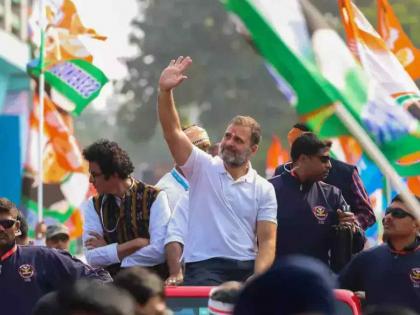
x,y
28,272
389,274
343,176
308,207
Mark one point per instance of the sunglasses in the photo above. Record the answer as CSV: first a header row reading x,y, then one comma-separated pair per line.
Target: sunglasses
x,y
398,213
7,223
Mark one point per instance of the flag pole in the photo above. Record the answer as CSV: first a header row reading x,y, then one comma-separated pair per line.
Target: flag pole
x,y
376,155
41,89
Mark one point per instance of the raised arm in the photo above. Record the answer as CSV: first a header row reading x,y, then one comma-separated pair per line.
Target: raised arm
x,y
173,75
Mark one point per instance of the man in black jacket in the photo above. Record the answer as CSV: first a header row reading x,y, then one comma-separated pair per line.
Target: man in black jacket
x,y
29,272
389,274
344,176
308,207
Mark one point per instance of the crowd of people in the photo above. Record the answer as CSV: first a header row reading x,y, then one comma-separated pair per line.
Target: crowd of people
x,y
277,246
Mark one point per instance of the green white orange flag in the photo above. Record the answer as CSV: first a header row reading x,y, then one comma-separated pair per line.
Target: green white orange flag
x,y
320,69
375,57
397,40
74,83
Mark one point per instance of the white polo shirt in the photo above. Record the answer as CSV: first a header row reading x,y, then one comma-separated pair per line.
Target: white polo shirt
x,y
223,212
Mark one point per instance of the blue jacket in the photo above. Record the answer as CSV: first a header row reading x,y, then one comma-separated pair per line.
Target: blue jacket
x,y
28,272
305,215
388,277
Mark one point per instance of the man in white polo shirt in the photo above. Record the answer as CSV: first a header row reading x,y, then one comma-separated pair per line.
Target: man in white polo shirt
x,y
232,210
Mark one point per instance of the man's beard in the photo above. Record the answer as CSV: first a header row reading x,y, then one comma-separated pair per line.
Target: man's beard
x,y
234,159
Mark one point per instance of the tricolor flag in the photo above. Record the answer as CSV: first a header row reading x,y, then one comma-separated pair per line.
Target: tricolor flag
x,y
74,83
375,57
312,58
397,40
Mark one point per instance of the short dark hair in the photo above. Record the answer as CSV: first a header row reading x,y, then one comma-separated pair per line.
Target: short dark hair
x,y
140,283
110,158
301,126
399,198
6,206
88,297
308,144
248,121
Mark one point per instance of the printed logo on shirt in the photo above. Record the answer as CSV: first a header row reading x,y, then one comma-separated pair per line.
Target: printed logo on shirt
x,y
415,277
26,271
320,213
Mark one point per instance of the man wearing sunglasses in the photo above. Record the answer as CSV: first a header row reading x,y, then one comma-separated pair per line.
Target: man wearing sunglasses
x,y
28,272
343,176
308,207
389,274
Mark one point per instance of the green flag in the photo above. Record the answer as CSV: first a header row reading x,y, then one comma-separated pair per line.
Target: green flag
x,y
317,65
74,83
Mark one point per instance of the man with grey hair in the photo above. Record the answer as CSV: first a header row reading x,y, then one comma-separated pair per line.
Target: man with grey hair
x,y
232,210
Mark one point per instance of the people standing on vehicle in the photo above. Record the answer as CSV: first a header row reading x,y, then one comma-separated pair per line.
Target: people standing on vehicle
x,y
230,205
29,272
125,223
86,298
308,208
343,176
389,274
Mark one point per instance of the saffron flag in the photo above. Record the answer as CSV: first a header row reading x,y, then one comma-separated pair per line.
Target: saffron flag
x,y
276,155
74,83
312,58
63,32
397,40
65,178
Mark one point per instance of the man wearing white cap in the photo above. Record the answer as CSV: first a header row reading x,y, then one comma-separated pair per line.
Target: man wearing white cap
x,y
174,183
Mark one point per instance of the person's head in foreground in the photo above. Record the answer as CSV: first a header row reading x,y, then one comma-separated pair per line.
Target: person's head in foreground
x,y
86,298
297,285
223,298
145,287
